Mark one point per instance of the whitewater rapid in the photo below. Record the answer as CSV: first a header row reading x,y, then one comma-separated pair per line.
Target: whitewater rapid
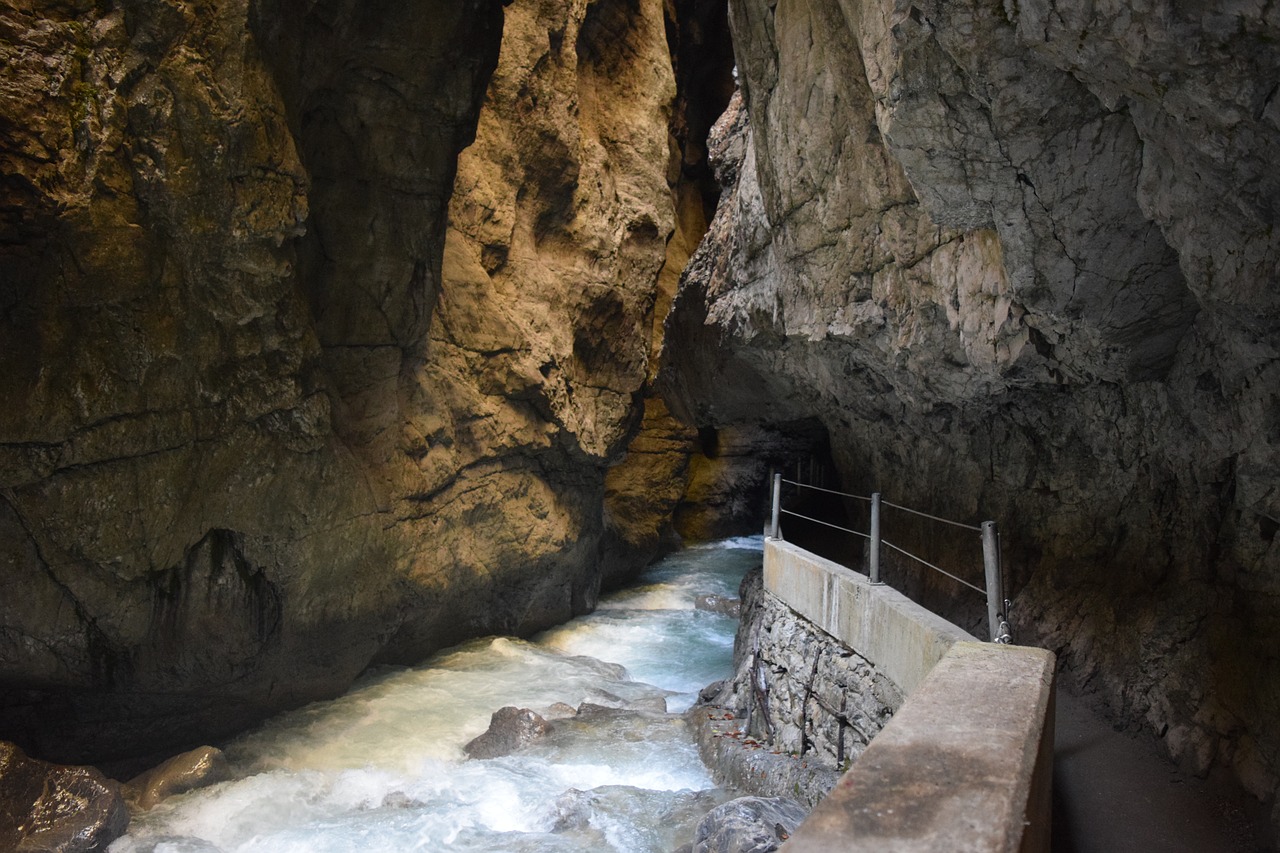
x,y
382,769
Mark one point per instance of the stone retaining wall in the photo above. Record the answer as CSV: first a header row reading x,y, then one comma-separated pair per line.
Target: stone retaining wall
x,y
966,761
903,639
801,690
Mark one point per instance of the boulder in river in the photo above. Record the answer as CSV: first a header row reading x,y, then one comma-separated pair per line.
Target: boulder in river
x,y
202,766
510,729
53,808
748,825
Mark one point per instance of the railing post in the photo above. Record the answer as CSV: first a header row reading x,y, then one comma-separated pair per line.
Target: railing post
x,y
873,568
995,587
777,506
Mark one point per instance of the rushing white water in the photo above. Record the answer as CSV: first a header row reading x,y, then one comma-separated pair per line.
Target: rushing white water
x,y
382,769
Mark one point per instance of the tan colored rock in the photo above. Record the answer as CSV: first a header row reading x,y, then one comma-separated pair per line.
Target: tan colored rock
x,y
255,390
642,491
196,768
558,231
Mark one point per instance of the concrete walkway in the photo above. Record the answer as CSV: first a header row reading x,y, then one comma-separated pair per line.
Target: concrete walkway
x,y
1113,793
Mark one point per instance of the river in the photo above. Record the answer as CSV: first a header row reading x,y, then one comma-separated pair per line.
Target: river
x,y
382,769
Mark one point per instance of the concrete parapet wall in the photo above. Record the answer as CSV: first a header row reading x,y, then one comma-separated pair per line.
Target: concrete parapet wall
x,y
902,639
966,763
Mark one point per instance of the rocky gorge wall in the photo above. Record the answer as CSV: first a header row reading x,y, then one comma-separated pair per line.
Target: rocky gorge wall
x,y
270,375
281,398
1020,261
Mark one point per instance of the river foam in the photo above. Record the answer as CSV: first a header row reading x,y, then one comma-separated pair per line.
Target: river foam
x,y
383,769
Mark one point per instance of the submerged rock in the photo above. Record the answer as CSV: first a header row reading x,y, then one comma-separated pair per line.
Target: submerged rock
x,y
602,699
53,808
713,603
510,729
205,765
606,810
748,825
573,811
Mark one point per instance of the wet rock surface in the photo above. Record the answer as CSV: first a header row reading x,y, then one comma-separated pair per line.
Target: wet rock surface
x,y
580,812
713,603
748,825
50,808
743,764
982,246
197,768
510,729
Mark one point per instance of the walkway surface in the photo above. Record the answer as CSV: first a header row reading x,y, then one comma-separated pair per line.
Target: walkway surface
x,y
1113,793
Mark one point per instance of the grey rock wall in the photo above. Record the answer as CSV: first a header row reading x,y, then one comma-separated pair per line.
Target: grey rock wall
x,y
1020,260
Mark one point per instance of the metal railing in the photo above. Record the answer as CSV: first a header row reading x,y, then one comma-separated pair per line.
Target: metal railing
x,y
997,605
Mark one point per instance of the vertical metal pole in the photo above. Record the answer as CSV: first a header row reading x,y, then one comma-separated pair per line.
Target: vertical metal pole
x,y
995,588
777,506
874,567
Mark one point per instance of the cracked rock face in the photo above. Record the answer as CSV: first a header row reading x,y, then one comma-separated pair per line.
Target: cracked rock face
x,y
278,401
1021,263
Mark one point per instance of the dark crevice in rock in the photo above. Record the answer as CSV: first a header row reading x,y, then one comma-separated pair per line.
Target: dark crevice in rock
x,y
644,487
360,85
702,53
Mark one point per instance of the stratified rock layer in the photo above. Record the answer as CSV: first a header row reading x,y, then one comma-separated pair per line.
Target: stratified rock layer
x,y
264,418
1021,262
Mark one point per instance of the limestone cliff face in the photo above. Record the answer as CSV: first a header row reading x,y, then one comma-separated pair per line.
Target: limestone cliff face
x,y
530,386
264,418
1021,262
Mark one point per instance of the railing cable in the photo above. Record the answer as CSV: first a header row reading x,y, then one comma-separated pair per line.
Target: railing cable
x,y
997,605
826,523
973,527
828,491
923,562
